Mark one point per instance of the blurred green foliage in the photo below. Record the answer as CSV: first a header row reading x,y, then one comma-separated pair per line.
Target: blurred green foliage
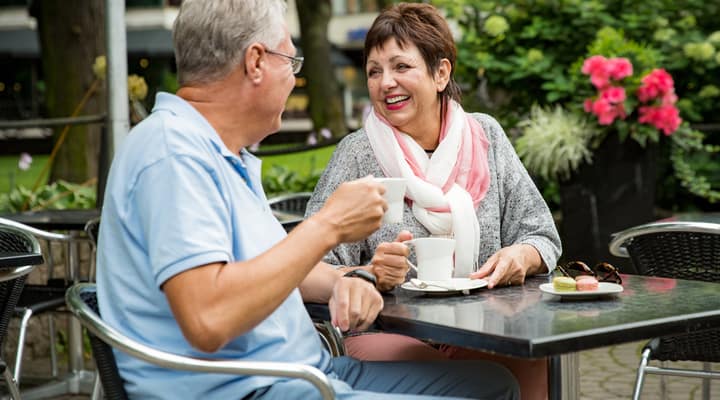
x,y
294,172
58,195
516,53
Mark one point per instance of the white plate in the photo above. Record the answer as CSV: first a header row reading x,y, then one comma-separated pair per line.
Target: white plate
x,y
455,285
604,289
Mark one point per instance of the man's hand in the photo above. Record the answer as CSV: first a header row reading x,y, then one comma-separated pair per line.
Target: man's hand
x,y
389,264
510,265
354,304
354,210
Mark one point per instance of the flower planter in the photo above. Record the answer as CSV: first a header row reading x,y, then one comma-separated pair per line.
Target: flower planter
x,y
615,192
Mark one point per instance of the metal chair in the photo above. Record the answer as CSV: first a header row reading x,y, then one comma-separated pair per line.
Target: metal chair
x,y
683,250
330,337
293,203
82,301
20,253
92,230
289,209
41,298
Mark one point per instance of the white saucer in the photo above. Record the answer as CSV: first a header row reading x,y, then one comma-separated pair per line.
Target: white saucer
x,y
454,285
604,289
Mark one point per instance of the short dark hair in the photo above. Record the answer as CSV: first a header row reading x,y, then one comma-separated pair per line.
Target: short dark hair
x,y
422,25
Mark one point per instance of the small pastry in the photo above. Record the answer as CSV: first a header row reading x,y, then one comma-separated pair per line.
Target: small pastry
x,y
580,277
586,284
564,284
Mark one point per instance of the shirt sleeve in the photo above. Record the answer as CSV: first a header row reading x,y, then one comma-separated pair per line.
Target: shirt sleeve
x,y
184,217
525,217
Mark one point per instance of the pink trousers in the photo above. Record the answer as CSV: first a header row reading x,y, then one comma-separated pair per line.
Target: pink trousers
x,y
530,373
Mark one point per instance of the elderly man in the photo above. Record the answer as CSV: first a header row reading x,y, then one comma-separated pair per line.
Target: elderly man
x,y
191,259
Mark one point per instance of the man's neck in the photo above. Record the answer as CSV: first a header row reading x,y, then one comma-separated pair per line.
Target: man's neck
x,y
223,105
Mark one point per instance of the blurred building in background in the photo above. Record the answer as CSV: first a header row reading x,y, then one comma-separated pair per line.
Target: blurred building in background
x,y
150,55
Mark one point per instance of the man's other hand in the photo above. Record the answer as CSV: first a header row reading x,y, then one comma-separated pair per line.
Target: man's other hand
x,y
354,305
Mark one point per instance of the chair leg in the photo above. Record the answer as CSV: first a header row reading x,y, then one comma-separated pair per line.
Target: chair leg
x,y
97,392
641,374
706,382
11,384
663,382
21,344
53,349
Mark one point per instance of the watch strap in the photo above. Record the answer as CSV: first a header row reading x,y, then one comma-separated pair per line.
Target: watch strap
x,y
362,274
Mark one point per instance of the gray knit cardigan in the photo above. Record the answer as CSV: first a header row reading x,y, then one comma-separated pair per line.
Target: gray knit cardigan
x,y
512,211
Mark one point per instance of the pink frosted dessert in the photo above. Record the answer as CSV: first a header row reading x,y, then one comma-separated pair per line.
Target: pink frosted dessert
x,y
585,283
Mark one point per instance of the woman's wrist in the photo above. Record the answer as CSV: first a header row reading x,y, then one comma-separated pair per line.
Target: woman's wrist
x,y
533,260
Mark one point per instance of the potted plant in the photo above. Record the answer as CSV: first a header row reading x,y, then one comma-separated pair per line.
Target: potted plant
x,y
602,145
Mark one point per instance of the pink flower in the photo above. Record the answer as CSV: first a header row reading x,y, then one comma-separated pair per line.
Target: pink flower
x,y
619,68
325,133
607,112
602,70
655,84
600,80
656,90
613,94
597,68
593,65
25,161
664,117
669,98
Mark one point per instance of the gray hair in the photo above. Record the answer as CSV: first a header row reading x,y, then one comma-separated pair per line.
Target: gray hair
x,y
210,36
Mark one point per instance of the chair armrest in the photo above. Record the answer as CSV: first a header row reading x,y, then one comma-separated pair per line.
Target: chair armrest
x,y
617,243
108,334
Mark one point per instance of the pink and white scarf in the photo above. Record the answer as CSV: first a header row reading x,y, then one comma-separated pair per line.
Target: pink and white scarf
x,y
445,188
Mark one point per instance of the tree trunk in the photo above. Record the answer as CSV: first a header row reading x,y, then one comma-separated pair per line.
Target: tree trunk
x,y
325,99
72,35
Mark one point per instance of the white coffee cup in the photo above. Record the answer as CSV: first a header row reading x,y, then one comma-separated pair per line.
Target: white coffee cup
x,y
394,196
434,257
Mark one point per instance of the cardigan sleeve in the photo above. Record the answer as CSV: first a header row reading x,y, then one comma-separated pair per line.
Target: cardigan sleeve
x,y
524,215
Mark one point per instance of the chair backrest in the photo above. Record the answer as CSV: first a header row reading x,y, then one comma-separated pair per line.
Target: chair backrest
x,y
684,250
12,279
78,298
105,363
293,203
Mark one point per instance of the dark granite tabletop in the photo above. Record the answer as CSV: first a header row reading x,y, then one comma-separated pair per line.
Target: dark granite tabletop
x,y
525,322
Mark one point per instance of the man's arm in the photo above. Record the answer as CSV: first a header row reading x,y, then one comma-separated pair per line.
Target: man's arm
x,y
215,303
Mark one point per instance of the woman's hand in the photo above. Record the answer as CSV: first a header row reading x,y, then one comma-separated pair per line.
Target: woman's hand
x,y
510,265
389,264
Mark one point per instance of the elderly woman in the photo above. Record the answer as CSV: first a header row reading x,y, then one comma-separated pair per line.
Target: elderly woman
x,y
464,179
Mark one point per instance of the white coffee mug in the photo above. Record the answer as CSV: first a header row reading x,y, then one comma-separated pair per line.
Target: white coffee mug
x,y
394,196
434,257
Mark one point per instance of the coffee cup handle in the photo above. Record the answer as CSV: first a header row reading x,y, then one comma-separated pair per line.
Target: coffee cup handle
x,y
411,265
410,242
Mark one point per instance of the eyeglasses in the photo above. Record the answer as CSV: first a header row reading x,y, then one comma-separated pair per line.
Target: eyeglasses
x,y
295,62
603,271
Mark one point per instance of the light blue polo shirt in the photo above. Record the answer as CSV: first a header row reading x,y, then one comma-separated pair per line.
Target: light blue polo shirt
x,y
176,198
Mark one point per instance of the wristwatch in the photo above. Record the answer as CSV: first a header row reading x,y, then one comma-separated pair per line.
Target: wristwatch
x,y
362,274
